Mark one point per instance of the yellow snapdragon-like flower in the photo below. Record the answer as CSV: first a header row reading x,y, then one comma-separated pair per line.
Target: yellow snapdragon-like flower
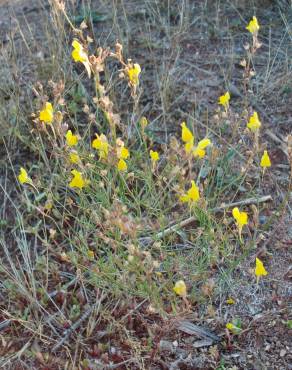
x,y
224,100
71,139
122,165
187,137
253,25
199,150
233,328
47,114
74,158
102,145
90,254
241,219
230,301
265,160
23,176
143,122
78,181
180,288
254,123
260,269
79,55
186,134
154,156
133,74
122,154
192,195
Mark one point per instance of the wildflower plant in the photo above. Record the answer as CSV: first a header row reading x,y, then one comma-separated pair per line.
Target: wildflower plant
x,y
114,209
241,219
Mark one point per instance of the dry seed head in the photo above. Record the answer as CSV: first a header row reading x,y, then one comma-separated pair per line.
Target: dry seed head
x,y
255,214
86,109
60,5
157,245
150,309
58,117
119,50
83,25
132,249
257,44
156,264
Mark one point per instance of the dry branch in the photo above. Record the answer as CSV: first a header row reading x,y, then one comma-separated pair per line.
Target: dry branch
x,y
148,240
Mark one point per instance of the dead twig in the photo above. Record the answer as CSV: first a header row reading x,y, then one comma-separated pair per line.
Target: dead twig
x,y
192,329
69,331
148,240
281,143
4,324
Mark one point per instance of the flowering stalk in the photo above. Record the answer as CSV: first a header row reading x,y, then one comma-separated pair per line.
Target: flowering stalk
x,y
253,27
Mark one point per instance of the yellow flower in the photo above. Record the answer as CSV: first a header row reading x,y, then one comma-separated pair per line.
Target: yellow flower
x,y
199,150
133,74
253,25
187,137
102,145
180,288
123,153
259,269
23,176
230,301
48,205
254,123
143,122
240,217
233,328
265,160
78,181
154,156
230,326
78,53
47,114
186,134
189,146
224,99
192,194
90,254
74,158
122,165
71,139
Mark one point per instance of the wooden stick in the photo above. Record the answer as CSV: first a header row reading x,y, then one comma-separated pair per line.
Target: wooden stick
x,y
281,143
69,331
187,221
